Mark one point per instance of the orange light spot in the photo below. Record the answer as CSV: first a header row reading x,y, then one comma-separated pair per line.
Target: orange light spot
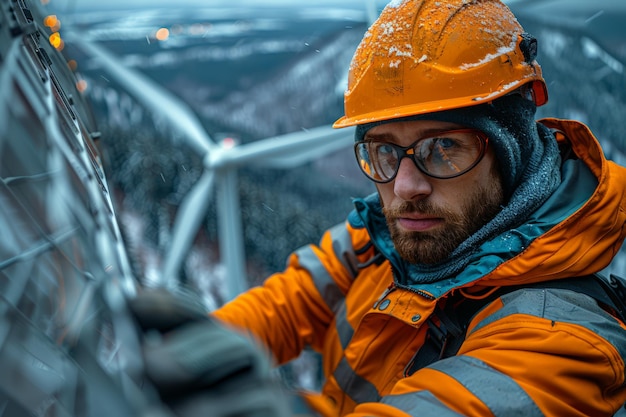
x,y
162,34
50,20
55,40
72,64
81,85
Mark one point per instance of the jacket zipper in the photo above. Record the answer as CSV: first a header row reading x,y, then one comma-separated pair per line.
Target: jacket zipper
x,y
413,290
392,287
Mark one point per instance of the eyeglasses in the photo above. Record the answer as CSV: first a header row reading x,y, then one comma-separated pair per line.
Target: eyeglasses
x,y
447,154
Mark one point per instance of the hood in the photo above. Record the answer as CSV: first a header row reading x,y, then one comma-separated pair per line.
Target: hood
x,y
585,240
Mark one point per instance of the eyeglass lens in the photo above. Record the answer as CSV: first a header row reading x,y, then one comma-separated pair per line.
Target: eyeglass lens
x,y
446,155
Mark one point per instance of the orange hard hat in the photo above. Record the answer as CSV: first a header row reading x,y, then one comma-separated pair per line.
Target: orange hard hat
x,y
423,56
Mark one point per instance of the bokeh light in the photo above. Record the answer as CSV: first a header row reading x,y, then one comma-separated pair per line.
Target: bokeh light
x,y
162,34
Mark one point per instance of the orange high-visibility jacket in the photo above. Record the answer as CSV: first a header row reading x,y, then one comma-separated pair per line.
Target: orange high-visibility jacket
x,y
532,352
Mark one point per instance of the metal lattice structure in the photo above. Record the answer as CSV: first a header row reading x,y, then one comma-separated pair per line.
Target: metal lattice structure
x,y
67,345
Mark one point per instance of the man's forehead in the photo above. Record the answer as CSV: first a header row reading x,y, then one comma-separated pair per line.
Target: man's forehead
x,y
410,127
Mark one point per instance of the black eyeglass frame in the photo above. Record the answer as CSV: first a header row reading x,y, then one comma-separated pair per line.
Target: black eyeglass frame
x,y
402,152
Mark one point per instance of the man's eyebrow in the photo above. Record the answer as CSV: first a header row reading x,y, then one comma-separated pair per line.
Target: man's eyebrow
x,y
389,137
379,137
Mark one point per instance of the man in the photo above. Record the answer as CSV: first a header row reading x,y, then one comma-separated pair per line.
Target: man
x,y
477,203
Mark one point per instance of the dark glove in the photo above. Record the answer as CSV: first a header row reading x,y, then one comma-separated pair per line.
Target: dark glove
x,y
199,367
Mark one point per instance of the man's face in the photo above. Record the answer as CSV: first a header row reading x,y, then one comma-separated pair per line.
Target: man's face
x,y
428,217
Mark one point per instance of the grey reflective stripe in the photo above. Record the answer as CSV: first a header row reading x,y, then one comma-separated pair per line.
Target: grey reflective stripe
x,y
355,386
324,283
563,306
344,328
344,251
499,392
422,403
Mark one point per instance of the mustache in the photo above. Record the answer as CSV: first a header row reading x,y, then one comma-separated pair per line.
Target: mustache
x,y
420,206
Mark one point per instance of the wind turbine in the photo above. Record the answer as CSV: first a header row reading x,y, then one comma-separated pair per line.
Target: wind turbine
x,y
219,167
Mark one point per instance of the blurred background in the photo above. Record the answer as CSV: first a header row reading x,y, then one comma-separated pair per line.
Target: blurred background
x,y
252,70
248,71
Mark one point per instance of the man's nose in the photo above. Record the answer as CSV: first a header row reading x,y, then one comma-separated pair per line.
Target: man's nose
x,y
411,183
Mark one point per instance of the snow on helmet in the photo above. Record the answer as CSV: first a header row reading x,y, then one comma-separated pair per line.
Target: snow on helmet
x,y
423,56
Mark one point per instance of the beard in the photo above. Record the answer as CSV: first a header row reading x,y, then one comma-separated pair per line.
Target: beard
x,y
435,246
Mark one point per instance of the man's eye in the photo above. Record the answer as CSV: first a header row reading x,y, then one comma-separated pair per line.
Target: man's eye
x,y
444,143
385,149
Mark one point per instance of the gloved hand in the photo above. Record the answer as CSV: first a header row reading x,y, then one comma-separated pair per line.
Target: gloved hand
x,y
199,367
